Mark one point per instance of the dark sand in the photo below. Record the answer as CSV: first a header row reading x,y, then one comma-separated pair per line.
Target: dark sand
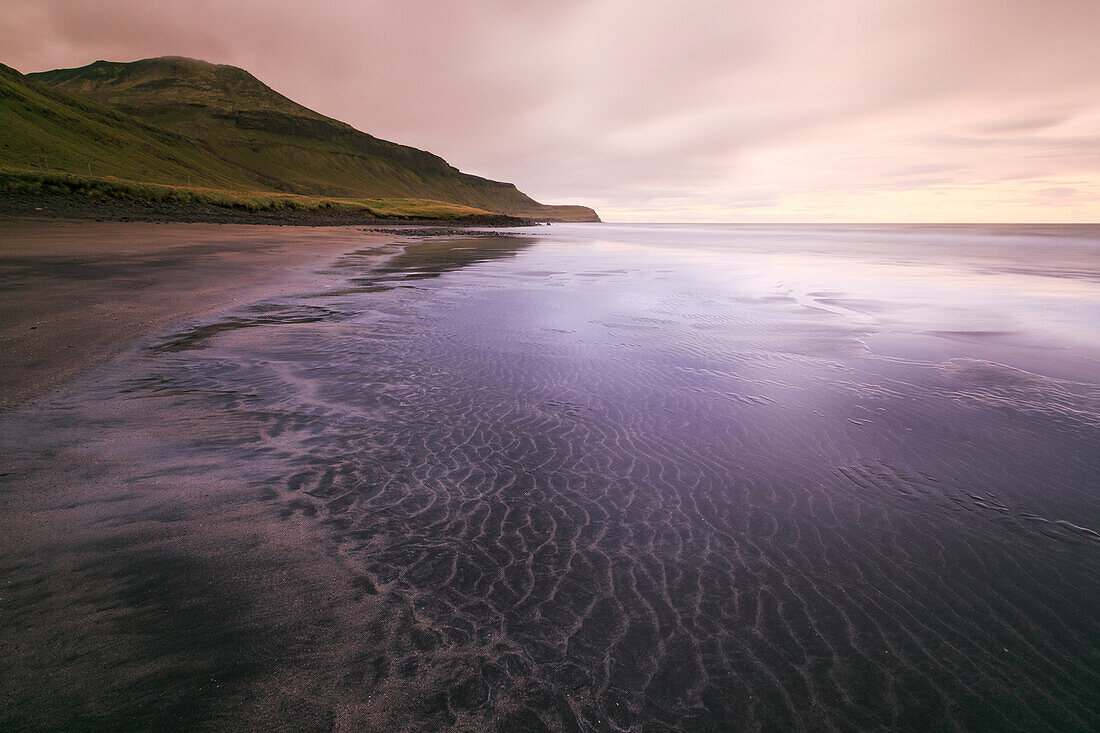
x,y
618,478
122,608
72,294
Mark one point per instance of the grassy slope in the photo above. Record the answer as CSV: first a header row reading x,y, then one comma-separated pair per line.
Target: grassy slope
x,y
47,131
52,142
108,188
265,141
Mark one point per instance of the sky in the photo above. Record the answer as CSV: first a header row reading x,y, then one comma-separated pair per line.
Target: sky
x,y
693,110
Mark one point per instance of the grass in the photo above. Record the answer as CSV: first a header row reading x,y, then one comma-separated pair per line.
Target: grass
x,y
13,181
50,132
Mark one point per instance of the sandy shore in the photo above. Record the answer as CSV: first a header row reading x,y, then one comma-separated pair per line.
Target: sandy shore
x,y
149,604
592,481
72,294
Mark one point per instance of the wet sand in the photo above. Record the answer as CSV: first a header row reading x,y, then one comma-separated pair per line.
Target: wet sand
x,y
72,294
120,609
611,479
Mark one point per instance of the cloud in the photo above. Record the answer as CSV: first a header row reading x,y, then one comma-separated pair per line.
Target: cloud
x,y
635,106
1032,123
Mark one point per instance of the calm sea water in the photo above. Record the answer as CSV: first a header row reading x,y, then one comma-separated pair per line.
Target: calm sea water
x,y
672,477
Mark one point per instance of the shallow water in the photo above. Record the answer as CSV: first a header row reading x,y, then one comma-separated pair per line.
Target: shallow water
x,y
710,477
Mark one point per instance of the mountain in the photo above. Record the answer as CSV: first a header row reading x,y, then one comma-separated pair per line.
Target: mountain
x,y
42,129
103,162
180,121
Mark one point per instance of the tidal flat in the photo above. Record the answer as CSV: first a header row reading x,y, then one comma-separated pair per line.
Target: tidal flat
x,y
584,477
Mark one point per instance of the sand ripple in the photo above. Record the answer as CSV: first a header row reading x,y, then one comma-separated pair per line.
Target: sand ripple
x,y
688,516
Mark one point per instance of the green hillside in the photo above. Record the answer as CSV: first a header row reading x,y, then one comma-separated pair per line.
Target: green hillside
x,y
51,132
185,122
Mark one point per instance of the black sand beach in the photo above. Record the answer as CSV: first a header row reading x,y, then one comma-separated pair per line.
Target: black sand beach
x,y
74,293
614,478
106,624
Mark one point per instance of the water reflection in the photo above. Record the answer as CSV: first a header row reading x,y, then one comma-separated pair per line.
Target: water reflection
x,y
434,257
425,259
661,478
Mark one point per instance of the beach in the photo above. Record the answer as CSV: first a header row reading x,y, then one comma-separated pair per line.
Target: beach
x,y
76,292
601,477
110,600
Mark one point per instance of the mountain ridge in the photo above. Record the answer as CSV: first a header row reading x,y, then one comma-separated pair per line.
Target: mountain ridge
x,y
243,134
